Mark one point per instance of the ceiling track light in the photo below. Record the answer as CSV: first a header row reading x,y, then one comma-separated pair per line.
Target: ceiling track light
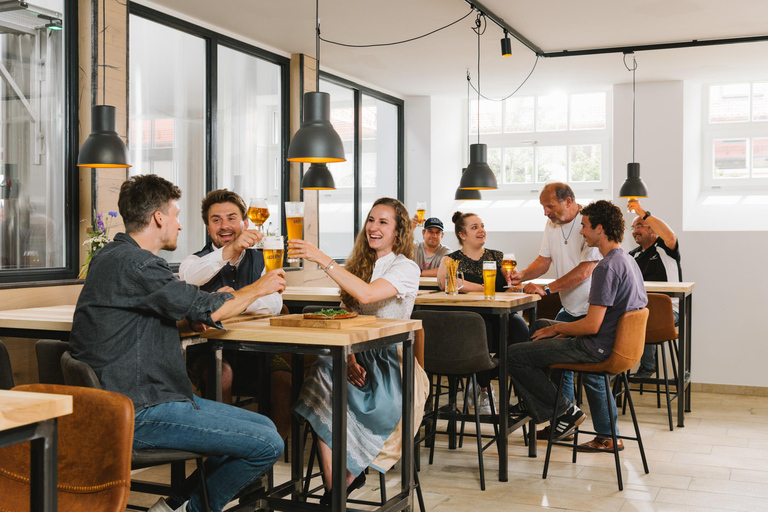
x,y
479,175
506,45
633,187
316,142
103,148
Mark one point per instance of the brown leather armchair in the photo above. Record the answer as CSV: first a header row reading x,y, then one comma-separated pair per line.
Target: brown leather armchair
x,y
94,454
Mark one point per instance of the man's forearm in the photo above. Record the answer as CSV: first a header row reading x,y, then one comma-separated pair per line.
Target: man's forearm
x,y
233,307
430,272
579,273
537,268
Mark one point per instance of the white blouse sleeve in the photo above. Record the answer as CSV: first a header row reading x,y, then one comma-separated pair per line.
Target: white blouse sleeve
x,y
403,274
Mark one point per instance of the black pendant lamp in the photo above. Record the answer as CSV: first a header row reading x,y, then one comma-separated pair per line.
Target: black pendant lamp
x,y
479,175
316,142
633,187
103,148
318,177
465,194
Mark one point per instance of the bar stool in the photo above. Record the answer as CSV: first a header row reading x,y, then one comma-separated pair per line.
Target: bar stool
x,y
660,332
627,350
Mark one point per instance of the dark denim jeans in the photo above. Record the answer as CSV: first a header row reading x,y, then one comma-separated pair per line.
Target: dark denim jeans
x,y
564,316
528,367
246,444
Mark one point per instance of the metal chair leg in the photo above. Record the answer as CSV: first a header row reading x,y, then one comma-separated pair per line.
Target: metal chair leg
x,y
479,434
552,427
666,387
613,432
634,423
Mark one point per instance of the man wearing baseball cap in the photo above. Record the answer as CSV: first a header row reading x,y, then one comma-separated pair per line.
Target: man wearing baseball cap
x,y
429,253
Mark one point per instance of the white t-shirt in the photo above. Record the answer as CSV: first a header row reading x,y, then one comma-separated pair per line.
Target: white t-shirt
x,y
566,257
401,273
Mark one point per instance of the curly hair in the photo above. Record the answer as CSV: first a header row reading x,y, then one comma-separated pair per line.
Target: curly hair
x,y
222,195
459,221
141,196
362,259
608,215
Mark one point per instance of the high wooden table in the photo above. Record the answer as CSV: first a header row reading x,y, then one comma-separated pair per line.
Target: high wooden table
x,y
297,297
499,308
260,336
32,417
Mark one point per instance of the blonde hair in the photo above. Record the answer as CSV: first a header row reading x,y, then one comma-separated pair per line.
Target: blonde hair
x,y
362,259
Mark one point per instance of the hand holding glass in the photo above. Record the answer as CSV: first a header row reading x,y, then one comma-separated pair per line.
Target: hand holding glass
x,y
508,265
273,252
294,223
421,210
258,212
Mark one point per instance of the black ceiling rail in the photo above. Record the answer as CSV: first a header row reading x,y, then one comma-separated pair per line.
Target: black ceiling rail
x,y
613,49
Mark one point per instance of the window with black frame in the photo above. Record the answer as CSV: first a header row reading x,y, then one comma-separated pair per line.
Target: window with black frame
x,y
235,142
33,140
370,125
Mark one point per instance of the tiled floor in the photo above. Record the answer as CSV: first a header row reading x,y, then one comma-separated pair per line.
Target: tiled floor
x,y
718,461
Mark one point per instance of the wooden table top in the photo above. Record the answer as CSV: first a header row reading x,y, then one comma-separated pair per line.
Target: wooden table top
x,y
650,286
51,318
311,293
475,299
18,408
260,330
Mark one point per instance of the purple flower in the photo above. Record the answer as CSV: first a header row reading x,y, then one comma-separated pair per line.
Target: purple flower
x,y
112,213
100,222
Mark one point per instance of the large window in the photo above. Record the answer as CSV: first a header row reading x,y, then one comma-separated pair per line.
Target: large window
x,y
370,126
37,138
207,112
535,139
736,135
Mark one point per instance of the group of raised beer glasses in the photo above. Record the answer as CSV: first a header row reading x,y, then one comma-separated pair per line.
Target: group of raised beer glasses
x,y
258,213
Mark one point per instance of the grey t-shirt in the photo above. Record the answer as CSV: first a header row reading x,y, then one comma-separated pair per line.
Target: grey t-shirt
x,y
426,262
618,284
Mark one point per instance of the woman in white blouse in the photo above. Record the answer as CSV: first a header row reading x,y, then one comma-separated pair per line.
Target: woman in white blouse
x,y
379,278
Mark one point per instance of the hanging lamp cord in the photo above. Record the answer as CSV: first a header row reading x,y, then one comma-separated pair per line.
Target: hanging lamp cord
x,y
317,45
103,52
478,23
632,69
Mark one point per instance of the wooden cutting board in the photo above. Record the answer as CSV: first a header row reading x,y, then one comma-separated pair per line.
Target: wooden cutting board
x,y
300,321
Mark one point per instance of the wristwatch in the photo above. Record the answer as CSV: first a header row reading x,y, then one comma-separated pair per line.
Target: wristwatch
x,y
647,214
546,289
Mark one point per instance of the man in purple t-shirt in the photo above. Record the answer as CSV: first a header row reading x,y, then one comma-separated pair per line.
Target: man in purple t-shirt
x,y
617,287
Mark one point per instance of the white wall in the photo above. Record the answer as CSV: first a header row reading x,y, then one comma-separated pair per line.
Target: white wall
x,y
731,287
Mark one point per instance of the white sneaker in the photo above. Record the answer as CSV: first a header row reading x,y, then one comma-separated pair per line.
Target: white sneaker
x,y
485,402
160,506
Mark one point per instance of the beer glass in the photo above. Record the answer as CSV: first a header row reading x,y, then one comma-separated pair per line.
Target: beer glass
x,y
421,210
508,263
294,223
273,252
258,212
489,279
452,275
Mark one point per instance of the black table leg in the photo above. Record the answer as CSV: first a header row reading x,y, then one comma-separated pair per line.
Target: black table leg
x,y
689,319
406,484
339,448
297,439
503,443
43,468
682,360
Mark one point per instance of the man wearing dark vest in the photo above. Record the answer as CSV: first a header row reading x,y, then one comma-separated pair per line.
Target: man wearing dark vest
x,y
658,256
229,262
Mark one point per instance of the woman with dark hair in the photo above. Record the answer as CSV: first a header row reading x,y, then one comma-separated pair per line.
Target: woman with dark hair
x,y
470,232
379,278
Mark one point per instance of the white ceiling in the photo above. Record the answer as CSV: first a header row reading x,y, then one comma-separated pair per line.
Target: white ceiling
x,y
437,65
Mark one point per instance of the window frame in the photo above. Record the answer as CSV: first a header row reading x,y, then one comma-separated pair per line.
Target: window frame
x,y
71,149
532,139
359,91
212,41
725,130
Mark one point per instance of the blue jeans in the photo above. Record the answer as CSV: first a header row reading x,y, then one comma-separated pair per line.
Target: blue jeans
x,y
564,316
648,361
244,444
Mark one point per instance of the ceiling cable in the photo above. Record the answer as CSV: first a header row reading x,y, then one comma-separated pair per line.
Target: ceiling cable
x,y
373,45
513,92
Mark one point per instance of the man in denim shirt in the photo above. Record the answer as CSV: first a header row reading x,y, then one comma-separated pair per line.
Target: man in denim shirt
x,y
125,328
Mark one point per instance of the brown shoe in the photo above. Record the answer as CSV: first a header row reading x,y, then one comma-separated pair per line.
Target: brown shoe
x,y
543,435
599,444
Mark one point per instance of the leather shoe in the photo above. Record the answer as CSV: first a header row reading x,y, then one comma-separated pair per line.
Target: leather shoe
x,y
599,444
543,435
357,483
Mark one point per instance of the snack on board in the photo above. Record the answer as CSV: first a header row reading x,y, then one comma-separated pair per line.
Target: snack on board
x,y
330,314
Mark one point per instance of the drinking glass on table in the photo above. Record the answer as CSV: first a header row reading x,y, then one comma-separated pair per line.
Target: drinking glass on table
x,y
294,223
421,210
508,265
273,252
489,280
258,212
452,276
